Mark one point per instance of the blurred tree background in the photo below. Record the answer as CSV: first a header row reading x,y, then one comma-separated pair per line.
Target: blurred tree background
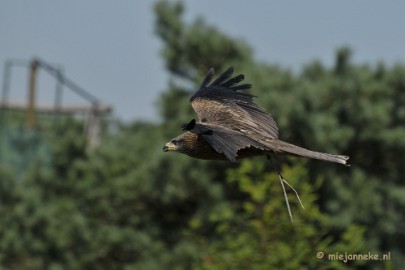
x,y
127,205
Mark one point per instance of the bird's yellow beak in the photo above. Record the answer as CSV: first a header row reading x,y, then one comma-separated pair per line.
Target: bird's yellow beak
x,y
169,147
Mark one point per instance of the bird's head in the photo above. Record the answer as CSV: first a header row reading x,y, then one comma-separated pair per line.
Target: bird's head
x,y
182,143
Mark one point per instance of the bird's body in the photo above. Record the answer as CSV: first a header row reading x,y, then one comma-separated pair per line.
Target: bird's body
x,y
198,147
231,126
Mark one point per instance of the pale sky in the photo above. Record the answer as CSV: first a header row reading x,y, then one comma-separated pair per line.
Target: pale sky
x,y
109,47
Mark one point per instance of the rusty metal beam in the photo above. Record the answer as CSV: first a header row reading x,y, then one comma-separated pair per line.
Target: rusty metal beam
x,y
31,94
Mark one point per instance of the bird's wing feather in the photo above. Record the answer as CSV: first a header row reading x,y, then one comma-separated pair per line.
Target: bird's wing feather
x,y
221,103
224,140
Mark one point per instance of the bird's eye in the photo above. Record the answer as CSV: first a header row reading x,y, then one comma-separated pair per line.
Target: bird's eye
x,y
174,142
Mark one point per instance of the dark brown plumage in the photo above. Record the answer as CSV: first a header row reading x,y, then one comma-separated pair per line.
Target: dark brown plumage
x,y
231,126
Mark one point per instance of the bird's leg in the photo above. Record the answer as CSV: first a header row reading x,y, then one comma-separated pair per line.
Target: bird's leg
x,y
282,181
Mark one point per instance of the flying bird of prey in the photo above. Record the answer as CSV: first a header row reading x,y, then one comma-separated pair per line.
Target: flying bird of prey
x,y
231,126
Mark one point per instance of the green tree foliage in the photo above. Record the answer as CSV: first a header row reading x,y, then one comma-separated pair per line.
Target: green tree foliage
x,y
129,206
253,233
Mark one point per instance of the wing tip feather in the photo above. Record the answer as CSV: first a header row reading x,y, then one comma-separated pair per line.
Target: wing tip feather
x,y
207,79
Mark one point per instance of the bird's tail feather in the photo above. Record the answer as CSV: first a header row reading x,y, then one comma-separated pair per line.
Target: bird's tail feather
x,y
287,148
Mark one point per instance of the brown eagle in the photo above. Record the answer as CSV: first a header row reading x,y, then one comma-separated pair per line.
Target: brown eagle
x,y
231,126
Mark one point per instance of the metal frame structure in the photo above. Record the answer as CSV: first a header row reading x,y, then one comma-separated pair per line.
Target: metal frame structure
x,y
93,112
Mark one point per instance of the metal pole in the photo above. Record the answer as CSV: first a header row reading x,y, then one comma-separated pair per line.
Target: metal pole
x,y
31,94
5,91
70,84
6,83
58,89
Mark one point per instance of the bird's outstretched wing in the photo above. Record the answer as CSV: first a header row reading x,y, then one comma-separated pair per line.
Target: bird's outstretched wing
x,y
224,140
222,103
